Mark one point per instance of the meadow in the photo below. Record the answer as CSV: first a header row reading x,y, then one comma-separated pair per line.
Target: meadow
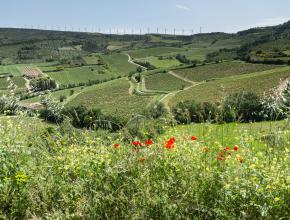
x,y
230,171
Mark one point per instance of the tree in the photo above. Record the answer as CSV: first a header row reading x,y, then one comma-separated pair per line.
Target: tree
x,y
41,84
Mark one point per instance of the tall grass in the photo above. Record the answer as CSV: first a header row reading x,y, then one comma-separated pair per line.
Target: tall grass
x,y
63,173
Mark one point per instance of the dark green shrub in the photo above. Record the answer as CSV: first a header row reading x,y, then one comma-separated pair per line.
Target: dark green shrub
x,y
208,112
242,106
185,112
156,110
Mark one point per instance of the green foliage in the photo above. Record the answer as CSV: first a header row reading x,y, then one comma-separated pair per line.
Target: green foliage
x,y
41,84
52,110
82,117
243,106
8,105
156,110
76,174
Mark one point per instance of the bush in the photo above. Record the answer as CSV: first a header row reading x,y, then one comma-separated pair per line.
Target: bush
x,y
156,110
208,112
242,106
8,105
82,117
52,110
185,112
41,84
62,98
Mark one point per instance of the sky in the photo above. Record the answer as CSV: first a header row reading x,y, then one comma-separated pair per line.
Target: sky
x,y
129,16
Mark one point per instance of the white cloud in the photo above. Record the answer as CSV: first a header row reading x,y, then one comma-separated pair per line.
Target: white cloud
x,y
182,7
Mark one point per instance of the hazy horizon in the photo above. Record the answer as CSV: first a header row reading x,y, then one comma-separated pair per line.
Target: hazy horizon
x,y
130,16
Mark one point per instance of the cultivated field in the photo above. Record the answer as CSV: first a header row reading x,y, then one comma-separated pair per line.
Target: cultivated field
x,y
31,72
216,90
221,70
161,62
164,82
119,63
122,104
77,75
156,51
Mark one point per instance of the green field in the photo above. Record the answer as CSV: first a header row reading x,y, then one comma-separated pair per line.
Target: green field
x,y
216,90
119,63
17,80
10,69
77,75
91,60
164,62
164,82
113,98
156,51
57,94
221,70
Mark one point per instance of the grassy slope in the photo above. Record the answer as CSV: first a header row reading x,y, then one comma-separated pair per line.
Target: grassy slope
x,y
113,98
164,82
57,94
259,82
119,63
156,51
221,70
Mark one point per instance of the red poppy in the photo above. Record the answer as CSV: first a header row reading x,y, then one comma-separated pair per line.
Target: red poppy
x,y
193,138
236,148
149,142
137,143
116,145
227,149
170,143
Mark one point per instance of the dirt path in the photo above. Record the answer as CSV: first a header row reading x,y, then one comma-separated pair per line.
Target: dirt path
x,y
180,77
131,88
170,95
130,60
27,82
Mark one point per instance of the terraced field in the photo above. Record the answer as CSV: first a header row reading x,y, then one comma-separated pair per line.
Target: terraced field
x,y
215,90
156,51
221,70
113,98
119,63
164,82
